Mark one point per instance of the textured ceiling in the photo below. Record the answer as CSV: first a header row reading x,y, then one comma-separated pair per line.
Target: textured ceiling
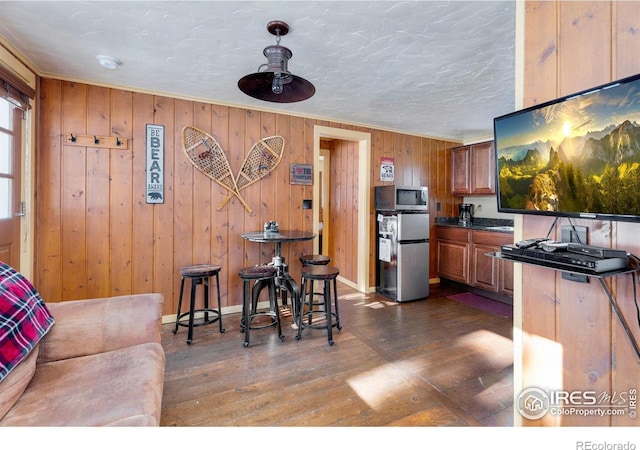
x,y
434,68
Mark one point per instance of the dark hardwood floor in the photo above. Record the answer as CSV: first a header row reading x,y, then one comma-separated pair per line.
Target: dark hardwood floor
x,y
433,362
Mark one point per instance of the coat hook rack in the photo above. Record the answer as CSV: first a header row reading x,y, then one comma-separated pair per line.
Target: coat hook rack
x,y
81,140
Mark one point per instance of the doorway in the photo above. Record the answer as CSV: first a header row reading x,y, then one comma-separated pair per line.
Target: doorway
x,y
363,141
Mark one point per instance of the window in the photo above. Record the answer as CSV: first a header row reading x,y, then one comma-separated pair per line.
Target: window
x,y
6,158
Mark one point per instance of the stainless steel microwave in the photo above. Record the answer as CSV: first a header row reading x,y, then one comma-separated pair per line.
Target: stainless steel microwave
x,y
401,198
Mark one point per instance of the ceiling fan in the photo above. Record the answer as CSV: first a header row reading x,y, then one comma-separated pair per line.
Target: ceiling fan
x,y
273,82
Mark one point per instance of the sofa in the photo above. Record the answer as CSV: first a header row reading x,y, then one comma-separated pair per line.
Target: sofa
x,y
97,362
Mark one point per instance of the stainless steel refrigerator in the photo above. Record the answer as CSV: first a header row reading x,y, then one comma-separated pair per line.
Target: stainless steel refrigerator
x,y
402,253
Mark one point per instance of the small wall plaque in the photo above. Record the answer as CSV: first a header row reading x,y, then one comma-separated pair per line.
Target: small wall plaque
x,y
386,169
301,174
155,164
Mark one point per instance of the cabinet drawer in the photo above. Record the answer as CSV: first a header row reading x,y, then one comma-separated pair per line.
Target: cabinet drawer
x,y
491,238
457,234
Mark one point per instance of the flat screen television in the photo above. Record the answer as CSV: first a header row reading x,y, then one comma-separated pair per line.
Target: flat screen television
x,y
576,156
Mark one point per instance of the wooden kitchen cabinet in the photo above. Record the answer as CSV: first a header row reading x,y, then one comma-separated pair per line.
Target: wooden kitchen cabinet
x,y
453,253
461,257
489,273
473,169
505,281
461,170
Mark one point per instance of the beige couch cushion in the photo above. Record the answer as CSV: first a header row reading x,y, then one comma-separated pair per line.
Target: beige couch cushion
x,y
14,384
121,387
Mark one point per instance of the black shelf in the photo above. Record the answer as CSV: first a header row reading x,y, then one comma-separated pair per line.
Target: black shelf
x,y
578,271
563,268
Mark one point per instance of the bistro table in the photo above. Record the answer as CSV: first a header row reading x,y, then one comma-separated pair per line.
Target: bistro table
x,y
284,281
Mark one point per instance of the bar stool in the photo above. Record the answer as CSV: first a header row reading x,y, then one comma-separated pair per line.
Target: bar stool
x,y
327,274
198,274
313,260
260,275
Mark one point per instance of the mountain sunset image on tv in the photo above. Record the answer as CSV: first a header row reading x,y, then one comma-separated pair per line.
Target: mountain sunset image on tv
x,y
575,156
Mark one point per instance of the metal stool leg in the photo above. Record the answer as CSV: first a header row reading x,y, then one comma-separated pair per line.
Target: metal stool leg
x,y
273,304
192,311
219,306
175,330
327,308
303,300
335,293
246,288
289,286
205,284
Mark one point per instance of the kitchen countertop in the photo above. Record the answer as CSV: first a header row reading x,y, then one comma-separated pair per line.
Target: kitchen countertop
x,y
479,223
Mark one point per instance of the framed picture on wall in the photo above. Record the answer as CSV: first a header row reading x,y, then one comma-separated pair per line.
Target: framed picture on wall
x,y
301,174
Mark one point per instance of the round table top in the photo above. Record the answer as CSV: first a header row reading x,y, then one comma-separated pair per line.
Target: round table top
x,y
278,236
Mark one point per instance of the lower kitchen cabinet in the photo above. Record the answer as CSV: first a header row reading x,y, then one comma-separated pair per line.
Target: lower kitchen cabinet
x,y
506,278
453,253
491,274
461,257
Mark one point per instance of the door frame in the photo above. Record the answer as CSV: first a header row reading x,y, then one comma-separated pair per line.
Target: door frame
x,y
364,188
326,211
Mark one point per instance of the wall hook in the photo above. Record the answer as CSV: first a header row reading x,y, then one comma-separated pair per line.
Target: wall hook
x,y
92,140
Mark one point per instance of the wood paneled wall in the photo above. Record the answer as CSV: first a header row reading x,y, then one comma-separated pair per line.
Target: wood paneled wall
x,y
96,236
572,338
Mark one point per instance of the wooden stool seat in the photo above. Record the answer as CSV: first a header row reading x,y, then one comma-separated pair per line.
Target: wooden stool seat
x,y
198,274
256,272
315,260
199,270
320,272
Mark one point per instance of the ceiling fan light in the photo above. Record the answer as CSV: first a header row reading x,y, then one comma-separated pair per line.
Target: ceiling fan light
x,y
273,82
276,85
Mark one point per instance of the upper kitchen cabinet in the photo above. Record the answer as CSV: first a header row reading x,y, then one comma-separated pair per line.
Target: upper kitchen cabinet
x,y
473,169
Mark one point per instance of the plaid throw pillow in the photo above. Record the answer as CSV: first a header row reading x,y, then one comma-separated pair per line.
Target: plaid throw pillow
x,y
24,318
